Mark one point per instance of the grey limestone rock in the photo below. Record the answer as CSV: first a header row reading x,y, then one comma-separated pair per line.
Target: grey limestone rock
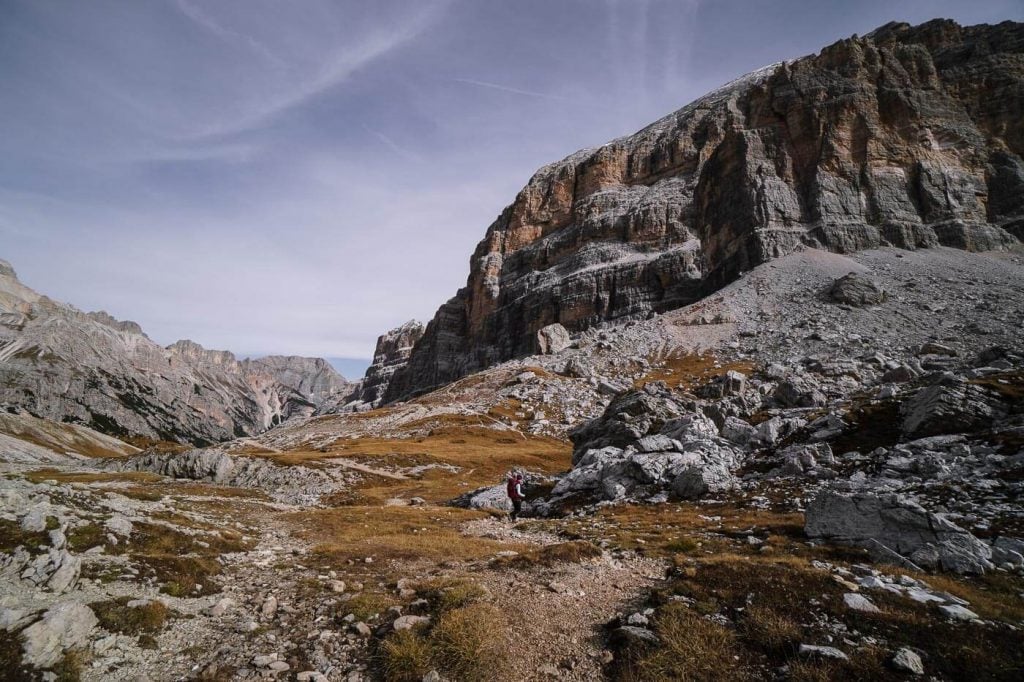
x,y
64,626
952,406
857,289
898,525
554,338
908,661
291,483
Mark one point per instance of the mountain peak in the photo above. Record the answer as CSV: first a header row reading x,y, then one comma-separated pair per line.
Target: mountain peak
x,y
7,270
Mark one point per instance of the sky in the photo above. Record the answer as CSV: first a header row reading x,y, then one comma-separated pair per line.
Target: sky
x,y
298,177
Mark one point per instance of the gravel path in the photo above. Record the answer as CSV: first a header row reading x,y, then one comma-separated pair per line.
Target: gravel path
x,y
557,613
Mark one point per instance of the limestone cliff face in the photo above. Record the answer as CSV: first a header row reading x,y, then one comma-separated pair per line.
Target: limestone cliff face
x,y
392,352
909,136
59,363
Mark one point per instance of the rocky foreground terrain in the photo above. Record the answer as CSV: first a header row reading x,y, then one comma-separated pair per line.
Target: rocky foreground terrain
x,y
814,474
780,437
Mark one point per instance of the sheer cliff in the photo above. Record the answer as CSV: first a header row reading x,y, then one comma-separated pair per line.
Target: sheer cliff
x,y
910,136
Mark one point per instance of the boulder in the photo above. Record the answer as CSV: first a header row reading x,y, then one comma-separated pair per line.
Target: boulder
x,y
897,525
552,339
627,418
857,289
953,406
698,481
737,431
409,622
65,626
814,651
798,392
907,661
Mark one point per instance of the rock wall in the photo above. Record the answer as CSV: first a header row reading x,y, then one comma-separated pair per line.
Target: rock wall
x,y
909,136
392,352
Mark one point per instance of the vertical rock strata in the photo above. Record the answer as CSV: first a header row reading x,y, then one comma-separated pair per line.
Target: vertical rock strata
x,y
392,352
909,136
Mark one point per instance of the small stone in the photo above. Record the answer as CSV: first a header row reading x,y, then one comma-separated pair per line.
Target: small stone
x,y
957,612
311,676
409,622
362,629
814,651
905,660
858,602
221,607
638,619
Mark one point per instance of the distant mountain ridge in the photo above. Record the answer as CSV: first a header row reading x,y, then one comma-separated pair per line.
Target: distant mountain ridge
x,y
911,136
59,363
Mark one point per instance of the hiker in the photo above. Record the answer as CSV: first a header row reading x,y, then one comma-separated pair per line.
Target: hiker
x,y
514,489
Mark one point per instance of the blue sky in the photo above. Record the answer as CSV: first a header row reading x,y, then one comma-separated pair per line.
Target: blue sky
x,y
298,177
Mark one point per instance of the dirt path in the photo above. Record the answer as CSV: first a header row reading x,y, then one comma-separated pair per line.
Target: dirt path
x,y
356,466
557,612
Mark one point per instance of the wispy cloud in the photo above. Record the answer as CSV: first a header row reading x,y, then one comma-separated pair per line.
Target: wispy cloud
x,y
514,91
208,23
339,64
401,151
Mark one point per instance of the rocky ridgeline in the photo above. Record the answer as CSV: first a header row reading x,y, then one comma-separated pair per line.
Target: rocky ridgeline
x,y
909,136
88,368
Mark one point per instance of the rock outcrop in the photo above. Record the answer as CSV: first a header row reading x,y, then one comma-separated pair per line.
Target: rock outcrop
x,y
64,365
648,443
896,530
391,354
289,483
909,136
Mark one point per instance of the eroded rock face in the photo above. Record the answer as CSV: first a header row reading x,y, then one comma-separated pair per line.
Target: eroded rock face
x,y
392,352
61,364
909,136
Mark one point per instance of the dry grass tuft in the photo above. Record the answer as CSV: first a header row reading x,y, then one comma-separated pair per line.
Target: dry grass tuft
x,y
12,536
405,657
71,665
471,643
776,633
482,454
85,537
690,371
576,552
40,475
447,594
184,576
116,616
691,648
368,605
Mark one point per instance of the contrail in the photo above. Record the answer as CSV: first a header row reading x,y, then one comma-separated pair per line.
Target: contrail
x,y
515,91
